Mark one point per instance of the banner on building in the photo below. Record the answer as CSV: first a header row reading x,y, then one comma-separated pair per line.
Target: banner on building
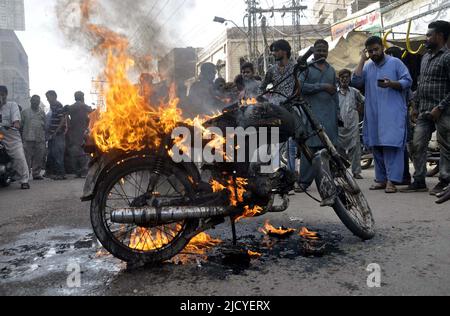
x,y
412,9
12,15
365,20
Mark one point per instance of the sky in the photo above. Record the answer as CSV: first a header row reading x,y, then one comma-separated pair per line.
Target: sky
x,y
56,64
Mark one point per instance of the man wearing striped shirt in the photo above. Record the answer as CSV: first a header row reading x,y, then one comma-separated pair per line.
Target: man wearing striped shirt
x,y
56,135
433,108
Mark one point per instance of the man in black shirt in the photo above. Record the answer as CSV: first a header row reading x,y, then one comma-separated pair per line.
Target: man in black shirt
x,y
78,127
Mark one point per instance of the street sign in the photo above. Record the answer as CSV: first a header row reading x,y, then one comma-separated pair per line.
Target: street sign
x,y
12,15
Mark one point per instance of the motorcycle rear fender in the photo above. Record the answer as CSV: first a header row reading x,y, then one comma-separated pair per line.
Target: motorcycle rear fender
x,y
102,165
324,179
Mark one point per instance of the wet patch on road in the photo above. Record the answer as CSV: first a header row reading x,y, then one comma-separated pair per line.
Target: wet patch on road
x,y
47,262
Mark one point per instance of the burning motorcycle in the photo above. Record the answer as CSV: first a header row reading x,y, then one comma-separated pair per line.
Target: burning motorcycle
x,y
145,207
6,168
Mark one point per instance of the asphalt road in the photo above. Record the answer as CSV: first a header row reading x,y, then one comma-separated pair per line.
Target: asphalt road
x,y
46,239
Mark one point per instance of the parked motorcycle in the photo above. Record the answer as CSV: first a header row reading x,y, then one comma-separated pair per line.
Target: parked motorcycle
x,y
6,169
146,208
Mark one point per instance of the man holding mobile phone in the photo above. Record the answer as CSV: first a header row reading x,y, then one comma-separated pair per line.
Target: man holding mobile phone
x,y
386,80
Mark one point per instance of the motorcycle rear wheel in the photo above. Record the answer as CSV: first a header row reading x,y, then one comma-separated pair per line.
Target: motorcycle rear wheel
x,y
123,185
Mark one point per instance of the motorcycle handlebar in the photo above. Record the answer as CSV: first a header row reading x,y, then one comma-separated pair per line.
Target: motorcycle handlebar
x,y
9,128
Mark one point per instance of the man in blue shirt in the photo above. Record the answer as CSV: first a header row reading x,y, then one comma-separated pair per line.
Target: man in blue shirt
x,y
386,80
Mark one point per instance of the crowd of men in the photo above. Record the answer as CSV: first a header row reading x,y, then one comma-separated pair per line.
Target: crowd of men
x,y
52,142
389,106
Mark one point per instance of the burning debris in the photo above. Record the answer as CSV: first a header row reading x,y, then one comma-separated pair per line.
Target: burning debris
x,y
196,250
308,235
281,232
250,212
254,255
251,101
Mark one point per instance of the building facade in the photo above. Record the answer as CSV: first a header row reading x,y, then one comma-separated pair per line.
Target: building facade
x,y
178,66
332,11
14,70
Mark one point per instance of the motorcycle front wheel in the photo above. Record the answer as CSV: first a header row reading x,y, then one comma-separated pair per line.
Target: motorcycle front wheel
x,y
124,187
352,207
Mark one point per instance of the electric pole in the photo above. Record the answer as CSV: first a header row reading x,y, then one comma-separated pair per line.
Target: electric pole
x,y
98,90
252,20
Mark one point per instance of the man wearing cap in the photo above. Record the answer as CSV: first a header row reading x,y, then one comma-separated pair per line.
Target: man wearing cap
x,y
351,102
9,126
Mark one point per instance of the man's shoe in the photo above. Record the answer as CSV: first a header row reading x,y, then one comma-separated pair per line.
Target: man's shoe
x,y
358,176
38,178
391,188
405,182
378,187
415,188
439,188
444,196
25,186
300,188
59,178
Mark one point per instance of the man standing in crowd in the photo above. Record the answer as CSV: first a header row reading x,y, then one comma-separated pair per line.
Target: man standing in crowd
x,y
319,86
283,69
201,95
56,137
33,123
433,108
280,76
252,86
10,126
351,103
386,80
78,128
407,178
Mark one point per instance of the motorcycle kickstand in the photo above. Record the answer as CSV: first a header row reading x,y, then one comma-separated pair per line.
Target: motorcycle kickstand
x,y
233,229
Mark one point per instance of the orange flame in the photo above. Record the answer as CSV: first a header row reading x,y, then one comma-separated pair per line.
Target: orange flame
x,y
251,101
307,234
250,212
236,190
130,122
142,239
268,229
254,255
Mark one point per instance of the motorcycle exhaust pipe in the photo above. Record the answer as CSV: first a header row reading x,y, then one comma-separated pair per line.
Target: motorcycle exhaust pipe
x,y
165,215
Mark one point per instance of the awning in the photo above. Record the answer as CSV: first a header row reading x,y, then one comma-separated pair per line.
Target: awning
x,y
345,51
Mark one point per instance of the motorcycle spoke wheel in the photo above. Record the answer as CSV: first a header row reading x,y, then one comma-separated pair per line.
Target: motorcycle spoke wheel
x,y
356,213
129,191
